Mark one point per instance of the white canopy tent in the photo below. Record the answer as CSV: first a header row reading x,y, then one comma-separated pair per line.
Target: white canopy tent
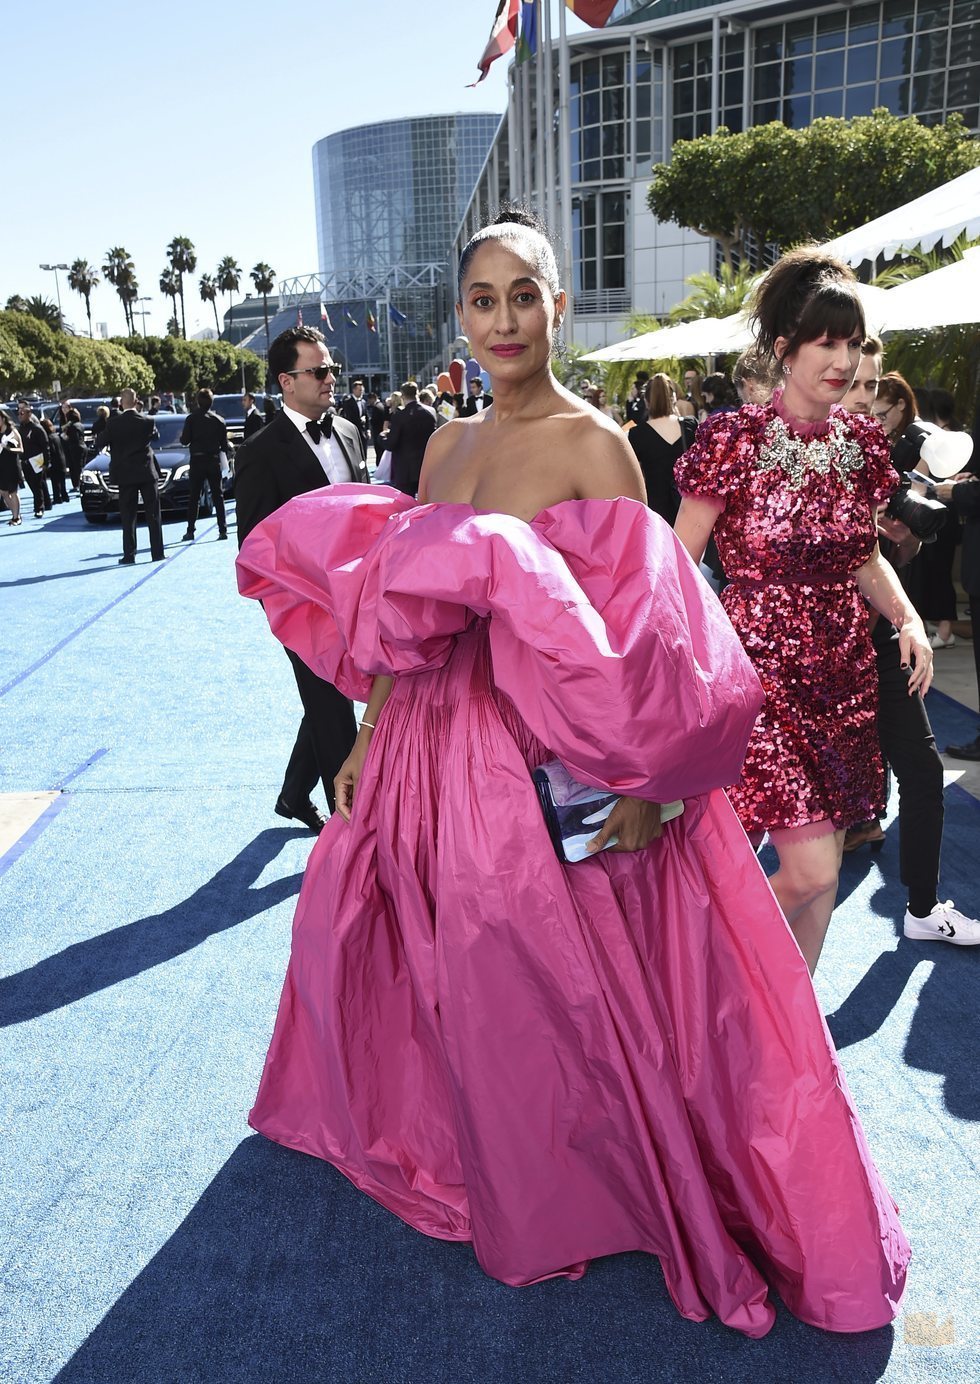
x,y
947,297
711,336
935,218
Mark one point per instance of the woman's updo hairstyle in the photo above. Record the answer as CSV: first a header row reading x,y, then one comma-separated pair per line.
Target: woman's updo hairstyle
x,y
520,227
805,296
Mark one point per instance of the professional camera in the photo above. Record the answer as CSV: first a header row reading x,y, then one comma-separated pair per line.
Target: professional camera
x,y
924,515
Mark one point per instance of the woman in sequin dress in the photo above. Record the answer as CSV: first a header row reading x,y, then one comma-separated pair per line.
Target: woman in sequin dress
x,y
790,492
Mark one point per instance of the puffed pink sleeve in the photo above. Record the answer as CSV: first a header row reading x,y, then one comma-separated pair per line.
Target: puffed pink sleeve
x,y
709,470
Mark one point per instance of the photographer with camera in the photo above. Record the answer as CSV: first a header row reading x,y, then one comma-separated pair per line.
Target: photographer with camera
x,y
908,745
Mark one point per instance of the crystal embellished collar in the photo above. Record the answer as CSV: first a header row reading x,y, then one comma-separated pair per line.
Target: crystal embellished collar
x,y
798,457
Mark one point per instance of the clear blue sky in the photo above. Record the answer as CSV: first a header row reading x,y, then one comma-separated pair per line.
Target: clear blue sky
x,y
128,125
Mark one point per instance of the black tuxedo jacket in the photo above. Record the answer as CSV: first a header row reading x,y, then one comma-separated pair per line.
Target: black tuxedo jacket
x,y
469,405
410,430
254,422
277,464
128,435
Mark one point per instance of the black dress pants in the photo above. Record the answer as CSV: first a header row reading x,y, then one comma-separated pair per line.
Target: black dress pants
x,y
909,747
129,502
38,487
205,469
325,738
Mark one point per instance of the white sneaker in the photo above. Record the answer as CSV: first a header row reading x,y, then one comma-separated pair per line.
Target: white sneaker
x,y
944,924
936,643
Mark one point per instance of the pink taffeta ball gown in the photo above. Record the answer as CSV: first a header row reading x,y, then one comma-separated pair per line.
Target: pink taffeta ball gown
x,y
556,1062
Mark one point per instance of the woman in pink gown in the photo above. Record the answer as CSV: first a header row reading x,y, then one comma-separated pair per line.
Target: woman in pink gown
x,y
554,1062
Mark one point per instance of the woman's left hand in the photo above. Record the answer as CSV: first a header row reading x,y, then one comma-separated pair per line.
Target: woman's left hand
x,y
913,643
634,821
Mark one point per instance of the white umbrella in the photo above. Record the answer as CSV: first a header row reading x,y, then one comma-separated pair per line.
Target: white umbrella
x,y
937,217
712,336
702,337
947,297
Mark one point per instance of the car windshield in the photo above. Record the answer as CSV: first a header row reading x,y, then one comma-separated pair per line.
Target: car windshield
x,y
229,406
169,426
87,408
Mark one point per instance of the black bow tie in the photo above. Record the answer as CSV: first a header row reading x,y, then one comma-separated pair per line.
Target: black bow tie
x,y
321,429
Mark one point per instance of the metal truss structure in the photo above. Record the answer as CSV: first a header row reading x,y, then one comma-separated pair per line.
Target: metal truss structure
x,y
361,283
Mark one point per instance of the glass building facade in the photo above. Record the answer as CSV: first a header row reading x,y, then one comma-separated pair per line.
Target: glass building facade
x,y
389,197
678,69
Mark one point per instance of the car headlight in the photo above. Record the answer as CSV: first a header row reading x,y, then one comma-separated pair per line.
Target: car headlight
x,y
92,478
180,473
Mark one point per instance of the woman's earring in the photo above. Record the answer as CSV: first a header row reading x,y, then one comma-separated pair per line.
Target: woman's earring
x,y
787,370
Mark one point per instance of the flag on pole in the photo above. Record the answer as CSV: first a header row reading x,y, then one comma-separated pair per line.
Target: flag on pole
x,y
299,317
397,317
527,43
349,318
325,317
592,12
372,321
503,34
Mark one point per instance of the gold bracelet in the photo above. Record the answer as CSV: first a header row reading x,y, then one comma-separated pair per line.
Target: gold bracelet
x,y
370,724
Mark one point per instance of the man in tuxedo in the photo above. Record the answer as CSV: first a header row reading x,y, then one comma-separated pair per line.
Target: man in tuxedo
x,y
411,427
354,408
376,422
254,418
477,400
133,468
205,434
303,448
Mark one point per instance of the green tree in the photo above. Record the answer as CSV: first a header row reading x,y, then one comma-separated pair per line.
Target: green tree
x,y
16,370
183,260
209,292
46,350
774,184
120,271
170,286
715,295
16,303
83,279
103,367
45,311
263,276
227,277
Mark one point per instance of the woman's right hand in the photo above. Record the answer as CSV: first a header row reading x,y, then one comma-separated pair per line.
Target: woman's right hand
x,y
350,772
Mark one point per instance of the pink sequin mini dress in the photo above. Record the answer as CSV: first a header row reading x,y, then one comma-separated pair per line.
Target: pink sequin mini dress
x,y
797,524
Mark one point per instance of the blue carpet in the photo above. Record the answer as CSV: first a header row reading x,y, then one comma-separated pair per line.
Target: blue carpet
x,y
148,1235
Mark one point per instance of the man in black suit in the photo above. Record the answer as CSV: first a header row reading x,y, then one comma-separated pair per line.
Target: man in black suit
x,y
35,443
411,428
477,400
376,422
133,468
254,419
298,451
205,434
354,408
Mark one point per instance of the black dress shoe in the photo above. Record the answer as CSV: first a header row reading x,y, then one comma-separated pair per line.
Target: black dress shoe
x,y
222,534
970,751
188,537
308,813
127,562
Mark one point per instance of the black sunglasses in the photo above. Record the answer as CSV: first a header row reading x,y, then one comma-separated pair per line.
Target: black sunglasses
x,y
319,372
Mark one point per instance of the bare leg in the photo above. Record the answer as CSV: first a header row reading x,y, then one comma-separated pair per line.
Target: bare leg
x,y
12,501
944,629
806,884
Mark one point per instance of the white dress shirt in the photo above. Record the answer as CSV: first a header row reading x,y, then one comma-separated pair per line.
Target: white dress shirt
x,y
328,450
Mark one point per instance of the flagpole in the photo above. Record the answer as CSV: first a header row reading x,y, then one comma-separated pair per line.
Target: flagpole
x,y
565,169
513,147
549,115
391,337
540,200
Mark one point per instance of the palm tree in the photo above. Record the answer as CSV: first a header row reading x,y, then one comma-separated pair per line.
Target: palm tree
x,y
44,310
120,271
170,285
183,260
83,278
227,278
16,303
263,276
209,292
715,295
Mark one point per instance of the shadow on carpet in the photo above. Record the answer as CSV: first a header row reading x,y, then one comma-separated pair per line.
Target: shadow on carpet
x,y
110,957
285,1271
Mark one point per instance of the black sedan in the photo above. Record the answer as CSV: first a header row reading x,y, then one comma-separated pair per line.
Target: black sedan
x,y
100,499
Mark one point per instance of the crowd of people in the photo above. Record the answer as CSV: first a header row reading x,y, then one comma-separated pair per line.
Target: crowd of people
x,y
551,1060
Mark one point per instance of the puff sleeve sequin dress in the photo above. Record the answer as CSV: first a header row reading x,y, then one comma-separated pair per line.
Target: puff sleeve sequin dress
x,y
797,524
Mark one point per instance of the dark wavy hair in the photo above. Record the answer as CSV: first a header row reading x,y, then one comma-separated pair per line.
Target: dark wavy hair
x,y
522,228
805,296
282,352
